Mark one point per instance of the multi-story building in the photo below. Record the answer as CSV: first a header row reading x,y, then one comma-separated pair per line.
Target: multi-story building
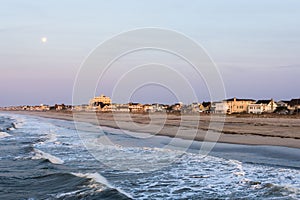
x,y
98,103
101,99
219,107
238,105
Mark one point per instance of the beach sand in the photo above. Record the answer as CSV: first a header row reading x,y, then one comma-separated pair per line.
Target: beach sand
x,y
277,131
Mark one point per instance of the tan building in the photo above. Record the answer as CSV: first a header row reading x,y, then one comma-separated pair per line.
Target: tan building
x,y
43,107
101,99
98,103
238,105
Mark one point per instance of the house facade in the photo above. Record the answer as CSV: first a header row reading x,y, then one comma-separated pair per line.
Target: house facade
x,y
255,108
238,105
294,104
135,107
120,108
268,106
159,107
205,106
148,108
99,103
219,107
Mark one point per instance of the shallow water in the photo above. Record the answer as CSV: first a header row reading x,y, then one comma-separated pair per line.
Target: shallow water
x,y
46,159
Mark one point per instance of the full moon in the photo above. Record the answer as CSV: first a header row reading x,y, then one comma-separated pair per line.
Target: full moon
x,y
44,39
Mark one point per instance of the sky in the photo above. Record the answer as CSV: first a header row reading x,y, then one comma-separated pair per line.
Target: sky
x,y
255,45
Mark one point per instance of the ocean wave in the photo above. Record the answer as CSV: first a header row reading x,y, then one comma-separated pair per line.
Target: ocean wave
x,y
102,180
42,155
58,185
132,159
49,138
19,124
4,134
11,127
275,190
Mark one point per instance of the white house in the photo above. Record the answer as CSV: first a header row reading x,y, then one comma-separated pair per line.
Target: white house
x,y
267,105
219,107
255,108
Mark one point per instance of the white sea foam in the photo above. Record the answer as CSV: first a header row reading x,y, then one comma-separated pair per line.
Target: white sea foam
x,y
42,155
239,167
50,138
4,134
68,194
133,159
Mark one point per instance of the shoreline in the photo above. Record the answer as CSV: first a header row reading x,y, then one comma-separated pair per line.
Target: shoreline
x,y
237,130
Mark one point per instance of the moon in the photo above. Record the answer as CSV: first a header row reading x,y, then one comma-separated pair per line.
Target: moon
x,y
44,39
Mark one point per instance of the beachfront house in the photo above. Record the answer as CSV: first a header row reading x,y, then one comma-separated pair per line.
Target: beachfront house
x,y
195,107
135,107
255,108
159,107
148,108
205,107
268,106
282,103
238,105
219,107
99,103
121,108
294,106
175,107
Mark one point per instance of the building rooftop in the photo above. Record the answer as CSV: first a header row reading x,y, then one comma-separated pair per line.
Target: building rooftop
x,y
232,99
294,102
264,101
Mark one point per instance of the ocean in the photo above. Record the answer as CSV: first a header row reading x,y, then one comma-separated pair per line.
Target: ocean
x,y
50,159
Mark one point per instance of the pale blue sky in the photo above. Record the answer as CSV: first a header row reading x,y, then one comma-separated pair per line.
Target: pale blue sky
x,y
256,44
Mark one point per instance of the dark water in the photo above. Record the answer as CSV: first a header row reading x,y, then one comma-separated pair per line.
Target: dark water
x,y
46,159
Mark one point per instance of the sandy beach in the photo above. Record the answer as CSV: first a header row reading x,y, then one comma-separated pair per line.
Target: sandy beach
x,y
275,131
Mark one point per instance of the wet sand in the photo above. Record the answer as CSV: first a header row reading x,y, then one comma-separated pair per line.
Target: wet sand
x,y
275,131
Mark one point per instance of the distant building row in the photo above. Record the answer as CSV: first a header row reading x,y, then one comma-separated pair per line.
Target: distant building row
x,y
228,106
41,107
235,105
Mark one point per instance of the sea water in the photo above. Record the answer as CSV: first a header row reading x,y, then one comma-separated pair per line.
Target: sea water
x,y
47,159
